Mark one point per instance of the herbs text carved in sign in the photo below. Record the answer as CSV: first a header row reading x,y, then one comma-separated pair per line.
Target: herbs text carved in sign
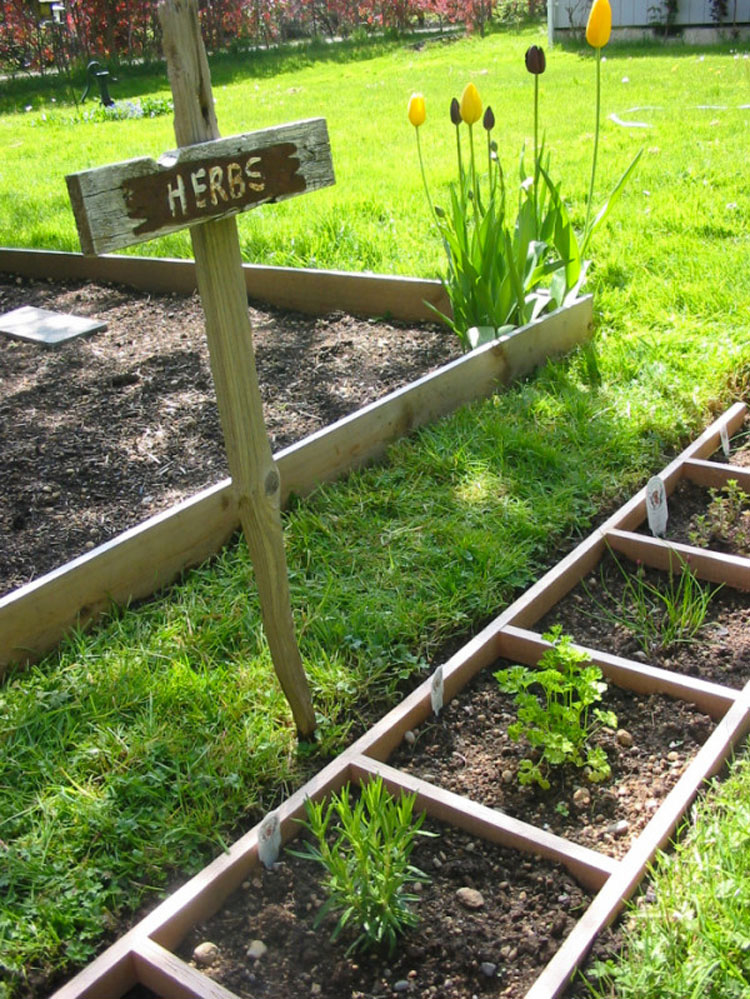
x,y
208,189
126,203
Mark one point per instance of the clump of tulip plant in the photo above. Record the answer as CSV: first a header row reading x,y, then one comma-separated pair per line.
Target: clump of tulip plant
x,y
505,270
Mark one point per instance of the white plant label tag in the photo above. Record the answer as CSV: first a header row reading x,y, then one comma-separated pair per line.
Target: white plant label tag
x,y
656,507
724,434
436,690
269,840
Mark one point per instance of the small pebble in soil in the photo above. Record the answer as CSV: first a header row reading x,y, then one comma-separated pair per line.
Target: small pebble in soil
x,y
402,985
624,738
619,828
488,969
409,737
470,898
256,950
582,798
205,953
559,925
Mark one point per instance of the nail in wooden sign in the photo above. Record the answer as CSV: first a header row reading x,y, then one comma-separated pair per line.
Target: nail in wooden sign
x,y
126,203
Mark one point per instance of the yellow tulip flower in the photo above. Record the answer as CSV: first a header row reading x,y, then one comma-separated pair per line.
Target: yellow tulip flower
x,y
599,25
417,111
471,104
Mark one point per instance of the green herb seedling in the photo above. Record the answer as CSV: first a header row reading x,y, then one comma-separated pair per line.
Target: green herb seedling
x,y
555,713
366,858
657,615
727,518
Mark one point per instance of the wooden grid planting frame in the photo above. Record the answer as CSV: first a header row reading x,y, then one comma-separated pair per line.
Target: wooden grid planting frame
x,y
146,953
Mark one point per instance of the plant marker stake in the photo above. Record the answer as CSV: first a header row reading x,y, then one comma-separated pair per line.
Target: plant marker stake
x,y
209,180
269,840
437,690
656,507
724,435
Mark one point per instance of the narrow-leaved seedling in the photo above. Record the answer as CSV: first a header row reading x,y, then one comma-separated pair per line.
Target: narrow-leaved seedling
x,y
555,714
366,858
657,615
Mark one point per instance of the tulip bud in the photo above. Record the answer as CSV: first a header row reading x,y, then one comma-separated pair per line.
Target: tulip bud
x,y
599,25
455,112
489,119
471,104
535,61
416,110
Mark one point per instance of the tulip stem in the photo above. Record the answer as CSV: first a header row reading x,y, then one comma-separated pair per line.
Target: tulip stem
x,y
536,153
461,175
424,178
475,184
596,147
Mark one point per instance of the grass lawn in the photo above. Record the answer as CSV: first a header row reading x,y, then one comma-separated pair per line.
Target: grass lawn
x,y
138,749
689,937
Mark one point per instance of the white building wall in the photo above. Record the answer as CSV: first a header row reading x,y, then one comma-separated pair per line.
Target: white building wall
x,y
635,13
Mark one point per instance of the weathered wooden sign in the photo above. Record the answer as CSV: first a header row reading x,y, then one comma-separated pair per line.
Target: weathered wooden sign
x,y
126,203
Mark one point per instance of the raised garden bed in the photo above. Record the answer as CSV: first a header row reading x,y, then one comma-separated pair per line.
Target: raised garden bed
x,y
103,432
717,518
709,719
497,947
136,563
598,610
468,751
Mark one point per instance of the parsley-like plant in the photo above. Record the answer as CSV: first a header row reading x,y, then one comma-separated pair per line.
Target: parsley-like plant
x,y
556,714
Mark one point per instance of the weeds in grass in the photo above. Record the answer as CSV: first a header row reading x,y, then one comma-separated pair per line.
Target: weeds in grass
x,y
657,615
560,726
366,857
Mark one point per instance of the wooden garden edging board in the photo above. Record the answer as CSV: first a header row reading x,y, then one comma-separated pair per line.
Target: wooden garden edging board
x,y
141,560
317,292
145,954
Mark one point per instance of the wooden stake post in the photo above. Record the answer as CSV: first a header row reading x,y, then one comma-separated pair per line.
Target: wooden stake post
x,y
210,180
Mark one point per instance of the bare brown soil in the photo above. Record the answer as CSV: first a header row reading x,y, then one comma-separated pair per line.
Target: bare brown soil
x,y
527,907
709,518
102,432
467,750
599,614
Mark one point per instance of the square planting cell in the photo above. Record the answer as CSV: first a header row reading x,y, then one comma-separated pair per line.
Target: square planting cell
x,y
47,328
